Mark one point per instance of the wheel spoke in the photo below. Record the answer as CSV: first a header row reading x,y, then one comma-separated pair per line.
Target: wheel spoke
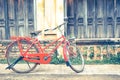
x,y
75,57
28,64
13,53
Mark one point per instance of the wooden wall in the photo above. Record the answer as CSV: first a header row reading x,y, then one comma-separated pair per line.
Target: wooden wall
x,y
50,13
93,18
16,18
87,18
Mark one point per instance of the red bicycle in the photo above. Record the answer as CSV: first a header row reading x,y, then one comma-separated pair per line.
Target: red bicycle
x,y
30,52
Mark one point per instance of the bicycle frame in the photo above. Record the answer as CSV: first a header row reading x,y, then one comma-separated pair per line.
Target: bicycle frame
x,y
32,52
44,58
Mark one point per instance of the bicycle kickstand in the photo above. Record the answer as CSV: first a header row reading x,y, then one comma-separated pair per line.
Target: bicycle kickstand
x,y
11,65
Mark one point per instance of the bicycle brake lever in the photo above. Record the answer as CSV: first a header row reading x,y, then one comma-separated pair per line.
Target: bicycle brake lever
x,y
71,39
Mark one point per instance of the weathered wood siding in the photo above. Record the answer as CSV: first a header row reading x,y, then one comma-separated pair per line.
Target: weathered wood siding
x,y
87,18
93,18
16,18
50,13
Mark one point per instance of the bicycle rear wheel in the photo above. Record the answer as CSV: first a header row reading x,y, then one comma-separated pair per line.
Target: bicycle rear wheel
x,y
76,60
13,53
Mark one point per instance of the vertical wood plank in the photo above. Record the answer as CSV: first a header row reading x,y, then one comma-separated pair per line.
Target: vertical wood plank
x,y
81,18
50,13
30,9
71,18
12,17
91,18
99,19
110,18
6,15
40,13
2,20
117,15
59,15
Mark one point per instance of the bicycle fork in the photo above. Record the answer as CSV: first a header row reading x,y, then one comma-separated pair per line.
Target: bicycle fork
x,y
14,63
65,54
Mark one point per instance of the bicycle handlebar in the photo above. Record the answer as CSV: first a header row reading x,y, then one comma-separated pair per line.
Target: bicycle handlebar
x,y
55,27
37,32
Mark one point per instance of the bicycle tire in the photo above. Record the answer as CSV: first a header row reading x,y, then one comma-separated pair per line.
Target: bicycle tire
x,y
13,53
75,58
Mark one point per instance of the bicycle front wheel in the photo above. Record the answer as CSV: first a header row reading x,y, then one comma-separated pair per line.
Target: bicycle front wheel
x,y
76,60
13,53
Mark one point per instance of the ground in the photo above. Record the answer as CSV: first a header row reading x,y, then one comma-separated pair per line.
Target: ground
x,y
62,72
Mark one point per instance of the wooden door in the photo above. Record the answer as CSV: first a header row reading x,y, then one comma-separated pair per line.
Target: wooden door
x,y
16,18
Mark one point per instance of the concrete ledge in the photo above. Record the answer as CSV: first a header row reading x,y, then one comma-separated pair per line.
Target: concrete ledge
x,y
62,69
62,72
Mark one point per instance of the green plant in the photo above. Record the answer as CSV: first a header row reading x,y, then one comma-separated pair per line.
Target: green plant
x,y
93,62
85,54
85,48
114,59
3,61
56,60
104,56
118,54
98,55
91,55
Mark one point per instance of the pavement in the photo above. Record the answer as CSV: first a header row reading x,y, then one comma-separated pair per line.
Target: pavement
x,y
62,72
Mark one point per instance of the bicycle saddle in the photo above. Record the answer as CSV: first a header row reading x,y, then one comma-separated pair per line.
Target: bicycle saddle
x,y
35,33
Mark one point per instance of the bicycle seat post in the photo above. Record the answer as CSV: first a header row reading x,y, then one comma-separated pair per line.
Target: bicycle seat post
x,y
60,30
65,26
